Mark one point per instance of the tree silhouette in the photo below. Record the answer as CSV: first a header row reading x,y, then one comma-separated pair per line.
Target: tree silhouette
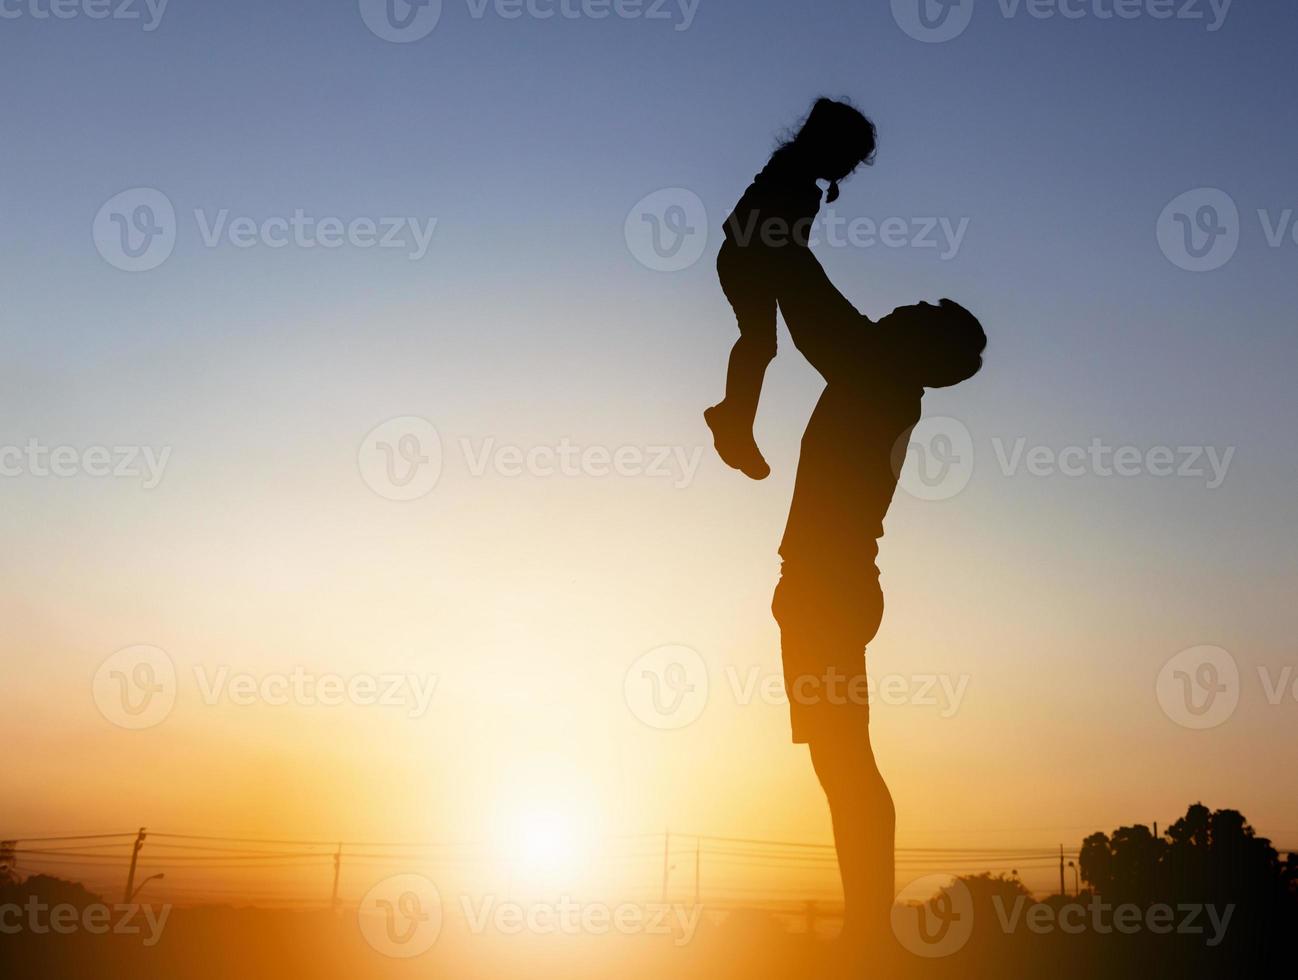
x,y
1205,858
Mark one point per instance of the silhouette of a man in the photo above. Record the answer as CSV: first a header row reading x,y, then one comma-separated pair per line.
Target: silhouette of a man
x,y
828,603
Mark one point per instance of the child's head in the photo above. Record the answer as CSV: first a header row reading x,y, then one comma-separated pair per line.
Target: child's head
x,y
835,139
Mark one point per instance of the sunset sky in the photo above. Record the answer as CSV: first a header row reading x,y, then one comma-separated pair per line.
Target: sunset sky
x,y
533,326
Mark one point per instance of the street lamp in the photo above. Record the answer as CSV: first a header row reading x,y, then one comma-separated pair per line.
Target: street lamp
x,y
1077,884
140,888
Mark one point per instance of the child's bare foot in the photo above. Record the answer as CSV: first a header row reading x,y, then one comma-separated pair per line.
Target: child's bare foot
x,y
735,444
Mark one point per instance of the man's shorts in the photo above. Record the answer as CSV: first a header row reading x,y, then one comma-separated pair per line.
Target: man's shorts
x,y
825,623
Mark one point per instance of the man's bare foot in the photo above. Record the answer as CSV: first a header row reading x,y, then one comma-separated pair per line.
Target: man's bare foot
x,y
735,444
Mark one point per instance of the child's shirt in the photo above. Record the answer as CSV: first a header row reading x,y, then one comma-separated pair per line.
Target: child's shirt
x,y
777,208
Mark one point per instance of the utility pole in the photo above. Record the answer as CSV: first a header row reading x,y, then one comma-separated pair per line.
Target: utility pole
x,y
1062,888
130,875
338,860
667,847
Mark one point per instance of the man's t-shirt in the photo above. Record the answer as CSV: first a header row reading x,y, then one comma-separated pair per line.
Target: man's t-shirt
x,y
851,455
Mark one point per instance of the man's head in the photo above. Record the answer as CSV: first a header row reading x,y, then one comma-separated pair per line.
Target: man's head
x,y
943,344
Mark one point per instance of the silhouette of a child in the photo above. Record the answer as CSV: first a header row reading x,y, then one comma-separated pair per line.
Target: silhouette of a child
x,y
775,214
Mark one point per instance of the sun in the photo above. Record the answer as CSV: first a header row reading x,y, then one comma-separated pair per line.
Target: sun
x,y
546,826
544,840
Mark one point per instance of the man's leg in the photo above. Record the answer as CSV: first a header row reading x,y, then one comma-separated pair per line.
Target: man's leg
x,y
864,829
824,628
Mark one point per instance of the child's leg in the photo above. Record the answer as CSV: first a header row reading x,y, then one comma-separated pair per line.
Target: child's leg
x,y
747,369
752,297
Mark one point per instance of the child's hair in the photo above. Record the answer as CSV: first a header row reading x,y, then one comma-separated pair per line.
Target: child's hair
x,y
837,135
